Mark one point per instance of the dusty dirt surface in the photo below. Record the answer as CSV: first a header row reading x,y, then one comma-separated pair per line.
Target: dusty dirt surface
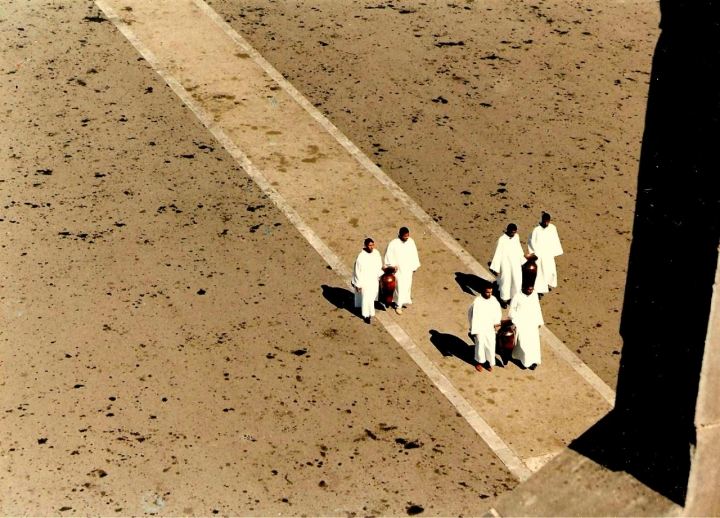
x,y
167,346
488,113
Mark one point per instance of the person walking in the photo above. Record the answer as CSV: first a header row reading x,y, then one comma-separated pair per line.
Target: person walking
x,y
526,314
507,264
402,255
484,316
366,275
544,243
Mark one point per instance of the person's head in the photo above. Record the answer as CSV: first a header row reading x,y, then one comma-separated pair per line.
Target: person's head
x,y
369,245
404,234
511,230
545,220
527,290
486,292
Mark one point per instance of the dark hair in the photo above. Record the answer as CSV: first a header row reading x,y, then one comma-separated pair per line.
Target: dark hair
x,y
367,241
511,227
546,216
403,230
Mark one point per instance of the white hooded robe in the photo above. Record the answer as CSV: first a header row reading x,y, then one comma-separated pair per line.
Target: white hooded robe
x,y
545,244
527,316
366,275
403,256
483,316
507,262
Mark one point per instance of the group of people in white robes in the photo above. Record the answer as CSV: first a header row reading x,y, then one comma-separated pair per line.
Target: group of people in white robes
x,y
401,256
509,259
485,312
485,315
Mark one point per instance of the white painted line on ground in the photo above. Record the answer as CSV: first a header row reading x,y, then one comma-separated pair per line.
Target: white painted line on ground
x,y
483,429
468,260
506,455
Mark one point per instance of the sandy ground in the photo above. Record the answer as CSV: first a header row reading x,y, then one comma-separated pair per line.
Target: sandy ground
x,y
166,346
488,113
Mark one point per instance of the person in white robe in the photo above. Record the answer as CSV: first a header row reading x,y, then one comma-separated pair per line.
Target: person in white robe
x,y
507,264
484,316
526,314
402,255
544,242
366,279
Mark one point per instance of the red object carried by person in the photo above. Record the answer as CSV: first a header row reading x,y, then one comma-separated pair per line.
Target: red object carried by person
x,y
506,336
387,286
506,340
529,270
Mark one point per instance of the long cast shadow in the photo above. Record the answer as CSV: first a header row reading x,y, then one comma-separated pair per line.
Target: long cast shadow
x,y
343,298
472,284
672,261
451,345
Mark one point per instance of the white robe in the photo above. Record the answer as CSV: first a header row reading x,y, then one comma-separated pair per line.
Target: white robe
x,y
367,272
403,256
483,316
527,316
545,244
507,262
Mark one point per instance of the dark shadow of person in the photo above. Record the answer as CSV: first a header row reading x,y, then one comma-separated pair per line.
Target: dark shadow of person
x,y
451,345
472,284
341,298
673,257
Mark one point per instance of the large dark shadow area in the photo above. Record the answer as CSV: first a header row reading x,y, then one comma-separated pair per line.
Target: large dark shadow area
x,y
472,284
672,259
451,345
343,298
